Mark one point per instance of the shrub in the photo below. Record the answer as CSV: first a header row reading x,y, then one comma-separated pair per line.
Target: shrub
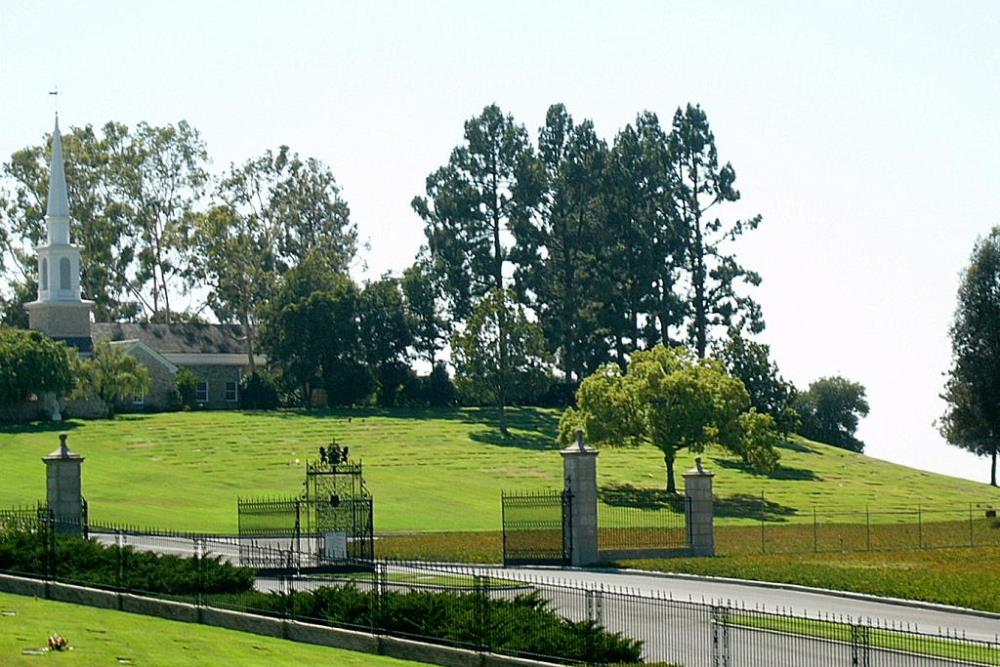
x,y
187,387
439,391
259,391
524,624
85,561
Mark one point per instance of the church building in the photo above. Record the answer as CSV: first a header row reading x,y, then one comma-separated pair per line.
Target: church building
x,y
216,353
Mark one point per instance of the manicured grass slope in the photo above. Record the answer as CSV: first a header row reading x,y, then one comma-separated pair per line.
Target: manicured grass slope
x,y
434,470
103,637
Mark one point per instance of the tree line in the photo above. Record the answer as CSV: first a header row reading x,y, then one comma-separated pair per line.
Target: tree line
x,y
547,257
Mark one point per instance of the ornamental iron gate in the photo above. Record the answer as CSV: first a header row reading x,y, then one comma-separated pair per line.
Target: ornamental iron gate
x,y
537,528
331,525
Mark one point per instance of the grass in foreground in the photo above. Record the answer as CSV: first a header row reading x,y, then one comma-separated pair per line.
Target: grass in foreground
x,y
429,470
952,649
960,577
104,637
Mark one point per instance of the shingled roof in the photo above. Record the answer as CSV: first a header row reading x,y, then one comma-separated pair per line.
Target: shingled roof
x,y
176,338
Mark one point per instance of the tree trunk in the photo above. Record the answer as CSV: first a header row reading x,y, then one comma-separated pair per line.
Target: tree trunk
x,y
503,419
671,484
993,469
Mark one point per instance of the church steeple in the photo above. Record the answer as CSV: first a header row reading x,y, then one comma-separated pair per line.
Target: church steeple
x,y
57,214
59,311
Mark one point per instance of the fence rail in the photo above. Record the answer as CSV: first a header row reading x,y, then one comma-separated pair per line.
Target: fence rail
x,y
496,604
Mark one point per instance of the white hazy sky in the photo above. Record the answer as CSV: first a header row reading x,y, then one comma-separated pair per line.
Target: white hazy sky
x,y
868,136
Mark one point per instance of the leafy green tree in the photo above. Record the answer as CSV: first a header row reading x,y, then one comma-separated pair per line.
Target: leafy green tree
x,y
235,259
672,400
187,387
770,393
422,298
112,375
439,390
311,331
32,363
558,247
478,351
386,335
12,310
162,177
830,411
294,203
701,184
972,392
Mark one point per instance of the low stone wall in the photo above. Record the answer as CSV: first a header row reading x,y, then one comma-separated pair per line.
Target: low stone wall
x,y
22,412
84,408
306,633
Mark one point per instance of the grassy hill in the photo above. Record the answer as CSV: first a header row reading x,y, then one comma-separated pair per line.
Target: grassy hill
x,y
439,470
105,637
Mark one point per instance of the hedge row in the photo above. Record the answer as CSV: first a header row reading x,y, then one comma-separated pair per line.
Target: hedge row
x,y
89,562
523,624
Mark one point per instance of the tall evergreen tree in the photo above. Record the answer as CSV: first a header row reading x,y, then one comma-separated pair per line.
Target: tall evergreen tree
x,y
700,185
558,247
644,245
421,293
472,206
972,418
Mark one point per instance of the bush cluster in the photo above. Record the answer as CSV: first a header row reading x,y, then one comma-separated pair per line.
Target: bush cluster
x,y
89,562
524,624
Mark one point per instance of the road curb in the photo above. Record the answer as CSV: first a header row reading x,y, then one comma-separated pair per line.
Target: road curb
x,y
851,595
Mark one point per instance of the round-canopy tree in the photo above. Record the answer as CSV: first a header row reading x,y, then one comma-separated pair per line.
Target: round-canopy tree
x,y
31,363
972,419
672,400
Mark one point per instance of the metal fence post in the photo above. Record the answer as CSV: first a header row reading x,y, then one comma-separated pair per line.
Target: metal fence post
x,y
763,548
860,645
868,529
920,527
815,532
720,636
972,532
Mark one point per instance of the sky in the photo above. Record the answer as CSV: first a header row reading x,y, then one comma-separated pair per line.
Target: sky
x,y
867,135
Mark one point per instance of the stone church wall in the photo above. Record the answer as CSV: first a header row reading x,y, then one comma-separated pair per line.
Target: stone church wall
x,y
217,377
163,381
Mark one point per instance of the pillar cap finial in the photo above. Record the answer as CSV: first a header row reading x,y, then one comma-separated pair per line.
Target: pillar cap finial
x,y
63,452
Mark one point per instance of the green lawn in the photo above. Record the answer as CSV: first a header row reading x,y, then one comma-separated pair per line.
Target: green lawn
x,y
104,637
429,470
960,577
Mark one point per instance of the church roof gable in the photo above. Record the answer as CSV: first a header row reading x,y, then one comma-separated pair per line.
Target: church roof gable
x,y
187,338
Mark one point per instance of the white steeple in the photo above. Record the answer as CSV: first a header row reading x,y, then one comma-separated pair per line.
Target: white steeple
x,y
59,311
57,215
58,259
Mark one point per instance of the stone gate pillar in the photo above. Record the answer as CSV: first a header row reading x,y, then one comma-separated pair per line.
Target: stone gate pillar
x,y
699,512
64,488
580,479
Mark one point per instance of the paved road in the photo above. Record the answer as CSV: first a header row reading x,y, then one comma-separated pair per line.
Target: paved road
x,y
640,606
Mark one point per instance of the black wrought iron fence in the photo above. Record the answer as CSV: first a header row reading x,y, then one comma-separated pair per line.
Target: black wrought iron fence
x,y
513,612
536,527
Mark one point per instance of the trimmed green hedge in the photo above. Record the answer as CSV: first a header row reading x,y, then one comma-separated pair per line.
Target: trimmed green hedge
x,y
524,624
85,561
